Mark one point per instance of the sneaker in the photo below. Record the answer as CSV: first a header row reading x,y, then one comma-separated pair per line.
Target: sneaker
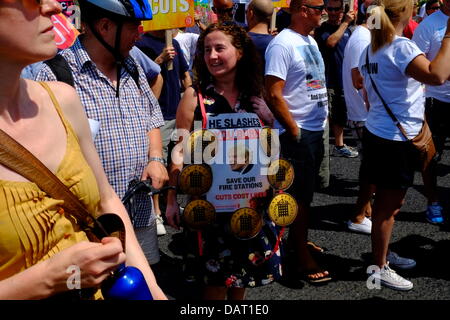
x,y
363,227
398,262
434,213
346,151
390,279
160,230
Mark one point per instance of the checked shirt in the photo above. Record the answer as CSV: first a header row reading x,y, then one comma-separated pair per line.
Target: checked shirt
x,y
122,141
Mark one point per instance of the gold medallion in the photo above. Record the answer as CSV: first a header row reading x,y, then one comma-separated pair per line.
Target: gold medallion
x,y
202,146
283,209
270,142
195,179
246,223
198,214
281,174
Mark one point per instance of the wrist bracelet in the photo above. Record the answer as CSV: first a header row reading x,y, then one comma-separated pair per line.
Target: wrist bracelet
x,y
157,159
447,36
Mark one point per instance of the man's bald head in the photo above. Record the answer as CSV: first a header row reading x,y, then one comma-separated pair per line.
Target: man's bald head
x,y
262,9
222,4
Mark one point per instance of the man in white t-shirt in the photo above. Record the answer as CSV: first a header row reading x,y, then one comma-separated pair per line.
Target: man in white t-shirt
x,y
428,37
296,86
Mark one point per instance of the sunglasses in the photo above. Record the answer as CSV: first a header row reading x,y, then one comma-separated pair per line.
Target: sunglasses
x,y
320,8
335,9
435,8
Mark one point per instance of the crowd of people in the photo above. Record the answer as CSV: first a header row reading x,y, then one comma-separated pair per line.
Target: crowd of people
x,y
382,72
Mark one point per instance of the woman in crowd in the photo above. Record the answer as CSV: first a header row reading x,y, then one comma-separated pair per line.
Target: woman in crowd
x,y
395,67
39,243
230,81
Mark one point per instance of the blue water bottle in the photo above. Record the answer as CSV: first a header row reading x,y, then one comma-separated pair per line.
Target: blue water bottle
x,y
127,283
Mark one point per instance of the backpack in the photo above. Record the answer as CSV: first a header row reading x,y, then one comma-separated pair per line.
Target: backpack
x,y
61,69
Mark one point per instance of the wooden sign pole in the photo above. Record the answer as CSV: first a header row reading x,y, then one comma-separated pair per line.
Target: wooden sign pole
x,y
169,44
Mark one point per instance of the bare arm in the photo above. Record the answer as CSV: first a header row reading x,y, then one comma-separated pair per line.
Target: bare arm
x,y
278,106
109,201
334,38
184,120
437,71
357,79
156,85
155,170
186,80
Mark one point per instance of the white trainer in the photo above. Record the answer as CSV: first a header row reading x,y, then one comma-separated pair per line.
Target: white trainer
x,y
390,279
160,229
364,227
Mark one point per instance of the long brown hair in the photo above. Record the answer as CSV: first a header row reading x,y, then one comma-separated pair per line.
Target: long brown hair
x,y
249,77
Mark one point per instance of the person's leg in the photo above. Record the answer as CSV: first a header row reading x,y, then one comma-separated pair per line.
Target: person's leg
x,y
236,294
215,293
306,156
386,205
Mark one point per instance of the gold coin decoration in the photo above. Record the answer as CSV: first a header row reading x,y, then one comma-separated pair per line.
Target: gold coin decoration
x,y
198,141
195,179
281,174
198,214
269,141
246,223
283,209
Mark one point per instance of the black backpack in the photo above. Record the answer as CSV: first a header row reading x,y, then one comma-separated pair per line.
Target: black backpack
x,y
61,69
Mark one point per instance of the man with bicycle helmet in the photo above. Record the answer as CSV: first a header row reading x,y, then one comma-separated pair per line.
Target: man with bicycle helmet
x,y
114,92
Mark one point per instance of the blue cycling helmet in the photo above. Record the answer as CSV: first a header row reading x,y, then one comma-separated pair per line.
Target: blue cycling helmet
x,y
133,9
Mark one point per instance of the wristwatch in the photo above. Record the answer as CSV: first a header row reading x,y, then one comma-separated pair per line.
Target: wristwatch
x,y
157,159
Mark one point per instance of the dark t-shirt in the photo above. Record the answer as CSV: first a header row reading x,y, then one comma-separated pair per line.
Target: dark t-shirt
x,y
283,20
171,90
261,42
333,57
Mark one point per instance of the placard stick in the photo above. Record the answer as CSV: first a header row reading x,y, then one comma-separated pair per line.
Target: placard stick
x,y
273,21
169,44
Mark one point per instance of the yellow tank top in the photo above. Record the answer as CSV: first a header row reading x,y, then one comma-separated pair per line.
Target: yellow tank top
x,y
33,227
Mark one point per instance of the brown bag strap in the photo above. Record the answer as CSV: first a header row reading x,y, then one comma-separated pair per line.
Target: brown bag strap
x,y
17,158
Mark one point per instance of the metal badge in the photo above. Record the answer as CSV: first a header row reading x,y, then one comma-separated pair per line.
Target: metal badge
x,y
281,174
202,145
246,223
198,214
283,209
269,141
195,179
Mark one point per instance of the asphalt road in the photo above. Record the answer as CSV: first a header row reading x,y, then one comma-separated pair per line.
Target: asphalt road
x,y
347,254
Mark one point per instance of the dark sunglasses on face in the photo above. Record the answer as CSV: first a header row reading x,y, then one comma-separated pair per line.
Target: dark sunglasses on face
x,y
435,8
320,8
335,9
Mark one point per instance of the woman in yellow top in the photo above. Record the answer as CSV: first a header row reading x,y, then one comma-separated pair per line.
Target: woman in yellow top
x,y
38,242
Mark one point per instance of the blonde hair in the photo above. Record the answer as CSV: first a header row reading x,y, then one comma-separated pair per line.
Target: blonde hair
x,y
388,13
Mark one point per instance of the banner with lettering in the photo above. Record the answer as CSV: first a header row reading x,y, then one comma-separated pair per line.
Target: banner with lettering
x,y
281,4
239,165
170,14
65,32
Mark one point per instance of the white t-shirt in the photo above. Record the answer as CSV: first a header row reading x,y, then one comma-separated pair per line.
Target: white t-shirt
x,y
188,43
428,37
403,95
296,59
356,107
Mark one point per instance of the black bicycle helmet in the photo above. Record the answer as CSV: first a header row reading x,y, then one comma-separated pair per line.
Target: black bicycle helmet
x,y
120,11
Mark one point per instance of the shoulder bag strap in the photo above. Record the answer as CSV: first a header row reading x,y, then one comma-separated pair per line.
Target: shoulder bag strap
x,y
15,157
203,109
389,111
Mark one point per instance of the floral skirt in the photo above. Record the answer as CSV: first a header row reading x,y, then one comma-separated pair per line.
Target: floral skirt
x,y
225,261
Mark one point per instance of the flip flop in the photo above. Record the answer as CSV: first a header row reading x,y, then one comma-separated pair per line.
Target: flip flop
x,y
314,247
307,276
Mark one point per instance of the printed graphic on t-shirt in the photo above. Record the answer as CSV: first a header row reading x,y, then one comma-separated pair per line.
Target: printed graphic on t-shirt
x,y
315,68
